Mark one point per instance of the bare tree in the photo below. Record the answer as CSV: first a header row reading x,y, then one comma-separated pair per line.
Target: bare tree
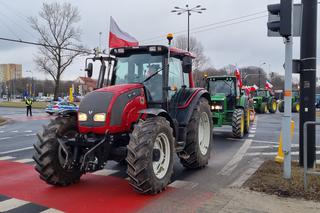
x,y
195,47
61,39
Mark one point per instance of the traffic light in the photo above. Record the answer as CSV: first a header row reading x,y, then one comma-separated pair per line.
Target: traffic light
x,y
280,16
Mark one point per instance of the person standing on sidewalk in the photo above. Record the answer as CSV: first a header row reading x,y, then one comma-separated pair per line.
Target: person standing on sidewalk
x,y
29,106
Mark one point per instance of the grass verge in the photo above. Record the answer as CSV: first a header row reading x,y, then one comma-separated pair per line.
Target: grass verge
x,y
35,105
269,179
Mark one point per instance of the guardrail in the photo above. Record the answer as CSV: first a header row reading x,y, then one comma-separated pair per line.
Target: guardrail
x,y
305,153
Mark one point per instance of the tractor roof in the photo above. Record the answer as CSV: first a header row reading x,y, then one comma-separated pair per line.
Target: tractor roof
x,y
221,77
157,49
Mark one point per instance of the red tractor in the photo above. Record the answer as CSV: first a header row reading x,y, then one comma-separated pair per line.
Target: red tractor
x,y
144,110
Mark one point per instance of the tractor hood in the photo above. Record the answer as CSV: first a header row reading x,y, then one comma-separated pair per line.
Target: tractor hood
x,y
109,102
218,97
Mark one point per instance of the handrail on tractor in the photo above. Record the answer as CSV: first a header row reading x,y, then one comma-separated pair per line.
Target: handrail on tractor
x,y
305,153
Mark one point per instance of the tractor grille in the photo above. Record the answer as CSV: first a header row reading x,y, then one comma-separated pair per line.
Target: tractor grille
x,y
95,102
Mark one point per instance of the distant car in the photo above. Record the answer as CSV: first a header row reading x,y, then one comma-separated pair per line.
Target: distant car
x,y
57,107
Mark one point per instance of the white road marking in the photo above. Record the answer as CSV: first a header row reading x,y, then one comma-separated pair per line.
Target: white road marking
x,y
256,163
14,131
7,158
16,150
5,138
272,153
233,163
51,211
251,135
105,172
253,128
27,131
235,139
25,160
271,146
33,134
268,142
1,131
252,131
11,204
183,184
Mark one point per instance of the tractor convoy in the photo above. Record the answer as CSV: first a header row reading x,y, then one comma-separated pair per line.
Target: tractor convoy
x,y
144,110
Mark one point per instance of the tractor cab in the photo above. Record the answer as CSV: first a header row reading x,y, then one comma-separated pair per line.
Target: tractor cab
x,y
229,105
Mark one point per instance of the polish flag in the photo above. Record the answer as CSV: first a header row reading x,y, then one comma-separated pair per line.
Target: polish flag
x,y
119,38
269,86
237,74
254,88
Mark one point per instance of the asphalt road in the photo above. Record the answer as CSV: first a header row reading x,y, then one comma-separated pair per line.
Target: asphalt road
x,y
231,162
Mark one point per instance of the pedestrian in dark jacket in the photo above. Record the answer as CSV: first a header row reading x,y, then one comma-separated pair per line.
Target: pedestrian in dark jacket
x,y
29,106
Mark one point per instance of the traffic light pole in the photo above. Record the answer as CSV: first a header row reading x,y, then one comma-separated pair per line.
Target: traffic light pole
x,y
308,54
286,120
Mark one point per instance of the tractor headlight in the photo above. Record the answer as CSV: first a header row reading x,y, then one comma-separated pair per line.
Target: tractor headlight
x,y
216,107
254,102
82,116
99,117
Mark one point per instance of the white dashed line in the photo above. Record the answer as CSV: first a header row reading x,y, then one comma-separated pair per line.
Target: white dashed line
x,y
252,131
15,131
1,131
183,184
233,163
33,134
26,160
51,211
6,158
5,138
16,150
267,142
251,135
28,131
272,153
105,172
11,204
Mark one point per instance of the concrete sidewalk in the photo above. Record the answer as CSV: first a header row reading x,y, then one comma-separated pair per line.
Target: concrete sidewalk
x,y
233,200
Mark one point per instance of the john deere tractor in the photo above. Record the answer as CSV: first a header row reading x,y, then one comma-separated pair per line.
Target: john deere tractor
x,y
144,110
295,102
229,105
264,101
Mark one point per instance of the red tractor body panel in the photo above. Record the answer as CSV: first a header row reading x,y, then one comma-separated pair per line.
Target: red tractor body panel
x,y
129,112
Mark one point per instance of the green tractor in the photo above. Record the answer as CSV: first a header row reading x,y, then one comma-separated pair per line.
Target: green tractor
x,y
229,105
295,102
264,101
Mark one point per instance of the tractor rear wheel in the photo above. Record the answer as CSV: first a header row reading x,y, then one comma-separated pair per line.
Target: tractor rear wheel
x,y
50,156
263,108
199,137
272,106
238,123
296,107
281,106
150,155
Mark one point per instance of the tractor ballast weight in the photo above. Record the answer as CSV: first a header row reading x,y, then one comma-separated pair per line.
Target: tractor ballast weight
x,y
229,105
141,113
264,101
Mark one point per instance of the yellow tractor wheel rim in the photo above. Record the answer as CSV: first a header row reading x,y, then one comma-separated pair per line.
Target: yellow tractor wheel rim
x,y
248,119
274,106
298,107
242,124
266,109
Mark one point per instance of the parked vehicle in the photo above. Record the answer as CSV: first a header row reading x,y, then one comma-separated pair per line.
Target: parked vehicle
x,y
56,107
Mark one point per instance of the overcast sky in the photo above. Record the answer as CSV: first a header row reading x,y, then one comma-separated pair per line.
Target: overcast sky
x,y
242,44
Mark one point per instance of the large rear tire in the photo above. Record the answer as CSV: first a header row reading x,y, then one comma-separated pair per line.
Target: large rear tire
x,y
150,155
238,123
199,137
50,156
281,106
272,106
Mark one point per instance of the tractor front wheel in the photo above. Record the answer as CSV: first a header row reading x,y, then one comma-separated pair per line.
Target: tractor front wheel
x,y
199,137
50,156
263,108
150,155
238,123
296,107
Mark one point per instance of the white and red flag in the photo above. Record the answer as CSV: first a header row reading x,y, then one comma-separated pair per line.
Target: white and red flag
x,y
254,88
269,86
238,75
119,38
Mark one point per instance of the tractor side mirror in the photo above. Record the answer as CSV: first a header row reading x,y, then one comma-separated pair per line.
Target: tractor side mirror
x,y
89,69
186,64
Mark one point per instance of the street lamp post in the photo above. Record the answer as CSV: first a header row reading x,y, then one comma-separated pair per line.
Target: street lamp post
x,y
260,73
188,10
32,90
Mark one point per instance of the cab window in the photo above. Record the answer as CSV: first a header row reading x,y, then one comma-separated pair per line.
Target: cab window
x,y
176,77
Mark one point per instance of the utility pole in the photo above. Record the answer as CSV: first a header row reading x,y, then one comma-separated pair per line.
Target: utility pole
x,y
308,54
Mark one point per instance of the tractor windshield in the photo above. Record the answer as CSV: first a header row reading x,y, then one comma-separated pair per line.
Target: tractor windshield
x,y
261,93
141,68
226,87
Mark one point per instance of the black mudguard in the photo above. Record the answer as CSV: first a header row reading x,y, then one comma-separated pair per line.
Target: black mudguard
x,y
68,113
